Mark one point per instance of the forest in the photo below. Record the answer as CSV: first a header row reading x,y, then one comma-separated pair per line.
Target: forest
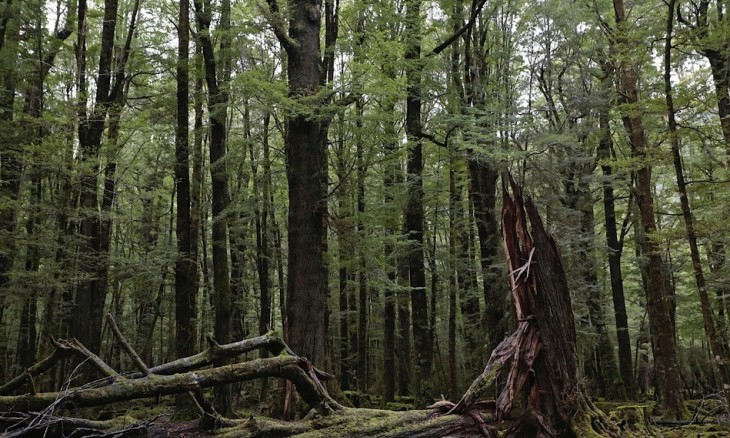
x,y
394,218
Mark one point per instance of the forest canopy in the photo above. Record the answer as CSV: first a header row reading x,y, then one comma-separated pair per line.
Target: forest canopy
x,y
333,171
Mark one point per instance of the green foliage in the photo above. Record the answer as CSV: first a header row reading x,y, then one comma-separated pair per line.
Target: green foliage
x,y
529,103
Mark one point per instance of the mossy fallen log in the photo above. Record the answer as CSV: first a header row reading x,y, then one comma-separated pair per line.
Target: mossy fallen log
x,y
284,365
359,422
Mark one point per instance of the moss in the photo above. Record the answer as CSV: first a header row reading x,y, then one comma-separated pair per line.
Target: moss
x,y
395,406
694,430
345,423
633,420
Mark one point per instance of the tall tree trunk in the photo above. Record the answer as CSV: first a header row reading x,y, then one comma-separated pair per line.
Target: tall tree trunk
x,y
718,348
196,207
263,250
90,295
186,265
390,179
346,233
663,341
454,234
216,75
306,162
414,204
614,246
265,321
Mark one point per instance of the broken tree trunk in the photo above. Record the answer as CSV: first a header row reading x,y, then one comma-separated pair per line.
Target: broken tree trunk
x,y
543,374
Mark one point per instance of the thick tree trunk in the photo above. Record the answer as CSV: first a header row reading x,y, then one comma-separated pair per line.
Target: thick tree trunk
x,y
306,152
186,269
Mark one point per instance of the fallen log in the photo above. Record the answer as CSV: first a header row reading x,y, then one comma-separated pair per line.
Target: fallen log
x,y
42,424
289,367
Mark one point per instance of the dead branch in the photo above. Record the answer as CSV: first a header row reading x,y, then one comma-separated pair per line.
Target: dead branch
x,y
40,367
127,347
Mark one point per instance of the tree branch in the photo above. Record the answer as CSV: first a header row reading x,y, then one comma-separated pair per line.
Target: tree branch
x,y
476,10
273,16
128,348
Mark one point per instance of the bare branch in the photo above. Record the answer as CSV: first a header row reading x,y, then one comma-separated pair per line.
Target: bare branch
x,y
128,348
477,6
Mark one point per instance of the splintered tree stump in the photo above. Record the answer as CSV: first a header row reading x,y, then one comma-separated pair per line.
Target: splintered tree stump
x,y
542,383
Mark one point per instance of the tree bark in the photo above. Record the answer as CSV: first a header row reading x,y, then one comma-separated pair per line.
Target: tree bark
x,y
186,272
543,371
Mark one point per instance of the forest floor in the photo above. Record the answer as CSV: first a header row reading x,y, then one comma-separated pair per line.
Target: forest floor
x,y
706,422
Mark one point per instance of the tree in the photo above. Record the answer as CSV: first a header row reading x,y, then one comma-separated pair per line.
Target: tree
x,y
186,266
664,346
613,243
94,251
217,74
718,348
306,152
